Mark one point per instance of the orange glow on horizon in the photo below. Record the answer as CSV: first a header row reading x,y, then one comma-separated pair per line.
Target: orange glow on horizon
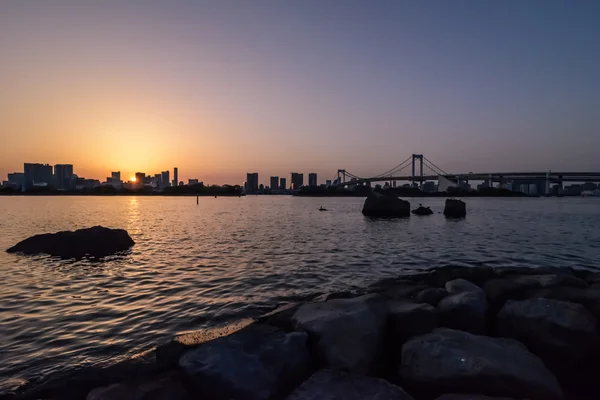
x,y
133,179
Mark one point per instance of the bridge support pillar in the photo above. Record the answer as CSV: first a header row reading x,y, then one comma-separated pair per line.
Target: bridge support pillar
x,y
547,191
420,158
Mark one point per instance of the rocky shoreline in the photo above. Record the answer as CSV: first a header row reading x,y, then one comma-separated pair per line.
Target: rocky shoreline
x,y
449,333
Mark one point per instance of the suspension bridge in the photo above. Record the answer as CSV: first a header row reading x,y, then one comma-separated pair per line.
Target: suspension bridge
x,y
417,169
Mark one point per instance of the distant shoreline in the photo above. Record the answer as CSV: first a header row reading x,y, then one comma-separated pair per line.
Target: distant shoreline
x,y
433,195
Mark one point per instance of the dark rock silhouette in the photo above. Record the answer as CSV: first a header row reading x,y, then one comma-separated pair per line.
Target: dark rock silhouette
x,y
330,384
455,208
380,204
460,361
97,241
422,211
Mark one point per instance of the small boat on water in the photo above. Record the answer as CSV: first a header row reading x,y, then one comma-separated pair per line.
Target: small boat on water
x,y
422,210
322,209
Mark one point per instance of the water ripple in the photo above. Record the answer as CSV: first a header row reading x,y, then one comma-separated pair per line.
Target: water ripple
x,y
197,266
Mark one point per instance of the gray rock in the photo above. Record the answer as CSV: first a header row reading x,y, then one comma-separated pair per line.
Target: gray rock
x,y
378,204
161,387
457,396
348,332
257,362
550,280
455,361
455,208
550,328
327,384
462,285
406,320
514,271
464,311
281,317
97,241
498,291
431,296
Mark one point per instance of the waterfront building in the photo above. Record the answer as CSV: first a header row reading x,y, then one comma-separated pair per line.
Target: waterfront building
x,y
297,180
164,179
140,177
252,182
63,176
175,176
282,183
36,174
312,179
274,183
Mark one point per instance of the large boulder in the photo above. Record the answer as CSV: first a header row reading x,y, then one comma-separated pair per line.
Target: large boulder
x,y
553,329
462,396
454,361
258,362
464,309
380,204
431,296
159,387
97,241
327,384
347,332
461,285
406,320
455,208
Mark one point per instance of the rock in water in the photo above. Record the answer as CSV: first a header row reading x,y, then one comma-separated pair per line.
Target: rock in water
x,y
422,211
97,241
259,362
327,384
348,332
455,208
455,361
380,204
555,330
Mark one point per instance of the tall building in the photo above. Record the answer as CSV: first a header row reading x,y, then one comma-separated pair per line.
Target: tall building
x,y
140,177
164,179
63,176
157,180
115,178
282,183
274,182
312,179
252,182
16,179
328,182
297,180
175,177
34,174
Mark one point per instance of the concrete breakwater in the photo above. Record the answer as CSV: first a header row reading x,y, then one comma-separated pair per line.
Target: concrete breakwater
x,y
446,333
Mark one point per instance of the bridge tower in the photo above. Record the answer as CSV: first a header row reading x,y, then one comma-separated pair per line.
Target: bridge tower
x,y
341,175
420,158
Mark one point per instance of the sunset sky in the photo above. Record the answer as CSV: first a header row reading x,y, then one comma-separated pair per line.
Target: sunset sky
x,y
220,88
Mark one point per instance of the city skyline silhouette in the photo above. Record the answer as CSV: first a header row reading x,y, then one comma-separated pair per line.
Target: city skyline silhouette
x,y
223,88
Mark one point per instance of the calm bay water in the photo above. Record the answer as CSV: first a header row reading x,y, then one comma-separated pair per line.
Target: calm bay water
x,y
196,266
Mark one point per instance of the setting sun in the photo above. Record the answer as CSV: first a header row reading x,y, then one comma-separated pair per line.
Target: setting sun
x,y
133,179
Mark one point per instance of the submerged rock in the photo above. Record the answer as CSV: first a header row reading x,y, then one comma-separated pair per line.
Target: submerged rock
x,y
327,384
258,362
455,208
380,204
348,332
455,361
97,241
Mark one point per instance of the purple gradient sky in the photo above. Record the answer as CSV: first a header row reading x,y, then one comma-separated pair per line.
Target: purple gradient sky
x,y
219,88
